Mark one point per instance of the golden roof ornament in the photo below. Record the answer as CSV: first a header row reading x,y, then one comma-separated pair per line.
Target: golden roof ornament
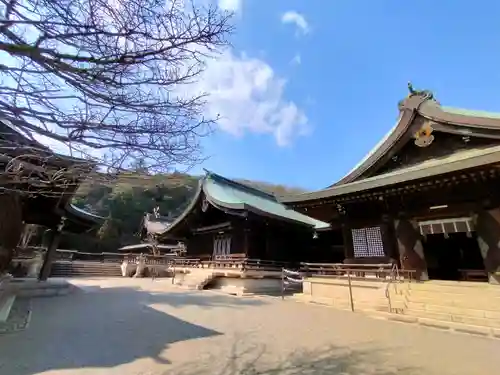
x,y
423,137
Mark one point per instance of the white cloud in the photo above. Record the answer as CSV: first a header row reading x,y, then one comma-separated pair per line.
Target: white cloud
x,y
297,60
230,5
250,99
297,19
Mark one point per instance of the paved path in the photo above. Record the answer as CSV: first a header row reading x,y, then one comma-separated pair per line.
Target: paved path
x,y
143,327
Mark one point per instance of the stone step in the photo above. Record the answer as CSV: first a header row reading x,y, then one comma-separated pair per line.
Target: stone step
x,y
195,280
461,302
391,316
76,274
86,270
447,317
458,327
345,304
458,288
434,323
85,267
455,310
6,302
59,273
478,294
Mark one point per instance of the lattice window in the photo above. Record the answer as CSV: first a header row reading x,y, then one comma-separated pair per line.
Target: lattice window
x,y
222,246
367,242
359,243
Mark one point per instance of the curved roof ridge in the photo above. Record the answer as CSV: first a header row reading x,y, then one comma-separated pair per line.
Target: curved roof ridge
x,y
230,195
240,185
371,152
188,209
461,117
407,110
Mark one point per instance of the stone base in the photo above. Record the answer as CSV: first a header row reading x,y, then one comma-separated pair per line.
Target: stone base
x,y
26,287
367,293
493,278
18,318
245,285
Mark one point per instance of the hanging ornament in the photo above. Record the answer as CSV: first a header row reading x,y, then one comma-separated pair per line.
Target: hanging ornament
x,y
204,205
424,137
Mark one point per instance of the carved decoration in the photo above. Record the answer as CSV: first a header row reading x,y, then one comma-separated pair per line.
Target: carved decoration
x,y
444,145
204,205
340,209
423,137
425,93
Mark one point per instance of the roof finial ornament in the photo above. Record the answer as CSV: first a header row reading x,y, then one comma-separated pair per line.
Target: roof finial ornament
x,y
427,94
156,212
410,88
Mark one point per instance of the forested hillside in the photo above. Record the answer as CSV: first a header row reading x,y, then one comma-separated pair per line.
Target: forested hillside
x,y
124,200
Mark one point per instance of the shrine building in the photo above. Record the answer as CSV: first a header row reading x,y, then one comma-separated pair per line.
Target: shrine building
x,y
426,197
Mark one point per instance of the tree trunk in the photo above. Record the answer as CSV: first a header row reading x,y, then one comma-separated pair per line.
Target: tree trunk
x,y
11,228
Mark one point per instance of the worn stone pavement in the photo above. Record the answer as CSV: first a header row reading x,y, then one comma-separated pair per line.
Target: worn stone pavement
x,y
130,326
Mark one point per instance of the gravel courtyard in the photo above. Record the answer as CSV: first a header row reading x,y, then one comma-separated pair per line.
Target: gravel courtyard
x,y
118,326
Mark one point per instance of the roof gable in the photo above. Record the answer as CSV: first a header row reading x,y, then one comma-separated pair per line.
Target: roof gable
x,y
443,145
465,159
439,131
420,111
231,196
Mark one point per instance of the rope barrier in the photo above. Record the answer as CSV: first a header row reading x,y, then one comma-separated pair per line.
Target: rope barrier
x,y
290,278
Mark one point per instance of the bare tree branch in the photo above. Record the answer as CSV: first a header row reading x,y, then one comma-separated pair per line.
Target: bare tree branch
x,y
110,78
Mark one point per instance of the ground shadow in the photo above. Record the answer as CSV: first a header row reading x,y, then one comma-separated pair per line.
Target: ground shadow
x,y
332,360
98,329
177,297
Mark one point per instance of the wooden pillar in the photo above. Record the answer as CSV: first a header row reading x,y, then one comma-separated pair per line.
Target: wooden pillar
x,y
411,251
51,241
488,237
348,245
389,238
246,245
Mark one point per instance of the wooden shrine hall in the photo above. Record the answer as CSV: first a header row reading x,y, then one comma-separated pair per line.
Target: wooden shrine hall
x,y
228,219
45,183
426,197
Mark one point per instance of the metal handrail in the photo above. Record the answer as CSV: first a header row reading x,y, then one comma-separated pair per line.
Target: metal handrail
x,y
397,277
343,270
394,272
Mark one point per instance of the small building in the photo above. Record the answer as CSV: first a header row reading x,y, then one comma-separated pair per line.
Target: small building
x,y
227,218
427,196
37,188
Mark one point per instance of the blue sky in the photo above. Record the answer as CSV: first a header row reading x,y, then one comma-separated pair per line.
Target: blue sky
x,y
304,102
